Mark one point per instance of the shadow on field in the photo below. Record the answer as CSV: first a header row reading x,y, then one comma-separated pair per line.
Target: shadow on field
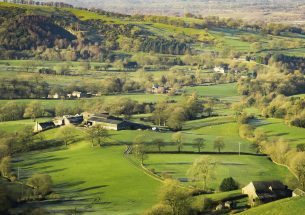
x,y
91,188
43,160
68,185
53,171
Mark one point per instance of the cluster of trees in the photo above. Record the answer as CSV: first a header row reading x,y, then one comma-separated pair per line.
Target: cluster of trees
x,y
18,88
175,115
34,31
269,92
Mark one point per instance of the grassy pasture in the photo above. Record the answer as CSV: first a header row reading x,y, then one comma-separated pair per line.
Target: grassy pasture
x,y
94,180
243,168
276,128
19,125
281,207
221,91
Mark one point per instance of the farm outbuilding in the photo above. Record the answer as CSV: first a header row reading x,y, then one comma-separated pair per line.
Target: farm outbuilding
x,y
113,123
265,191
42,126
73,120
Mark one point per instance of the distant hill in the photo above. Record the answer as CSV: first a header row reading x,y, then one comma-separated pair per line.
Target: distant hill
x,y
273,9
282,207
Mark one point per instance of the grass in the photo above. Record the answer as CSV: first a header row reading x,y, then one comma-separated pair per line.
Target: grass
x,y
276,128
281,207
19,125
244,168
218,91
95,180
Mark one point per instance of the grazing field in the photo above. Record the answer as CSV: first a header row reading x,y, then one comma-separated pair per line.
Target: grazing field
x,y
244,168
219,91
276,128
19,125
282,207
95,180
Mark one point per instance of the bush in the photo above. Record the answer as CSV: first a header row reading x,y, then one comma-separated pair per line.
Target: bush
x,y
228,184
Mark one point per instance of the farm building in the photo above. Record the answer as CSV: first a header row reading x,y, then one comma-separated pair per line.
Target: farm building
x,y
78,95
113,123
54,96
221,69
42,126
156,89
298,192
265,191
73,120
58,121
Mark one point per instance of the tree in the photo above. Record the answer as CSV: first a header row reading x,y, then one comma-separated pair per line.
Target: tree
x,y
176,119
228,184
42,184
158,114
202,170
178,198
5,166
99,134
246,131
219,144
193,106
67,134
159,143
33,110
198,143
139,149
177,138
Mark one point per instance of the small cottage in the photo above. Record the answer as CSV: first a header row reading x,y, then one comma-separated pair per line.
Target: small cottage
x,y
42,126
265,191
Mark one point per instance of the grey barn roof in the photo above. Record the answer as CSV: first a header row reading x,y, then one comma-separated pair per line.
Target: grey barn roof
x,y
105,120
264,185
46,124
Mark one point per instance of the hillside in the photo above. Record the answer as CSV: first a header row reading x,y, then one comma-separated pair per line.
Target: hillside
x,y
81,34
282,207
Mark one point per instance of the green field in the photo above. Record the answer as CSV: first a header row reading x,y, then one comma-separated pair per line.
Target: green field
x,y
95,180
223,91
276,128
19,125
291,206
243,168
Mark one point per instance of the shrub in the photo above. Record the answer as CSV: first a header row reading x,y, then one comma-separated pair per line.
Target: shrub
x,y
228,184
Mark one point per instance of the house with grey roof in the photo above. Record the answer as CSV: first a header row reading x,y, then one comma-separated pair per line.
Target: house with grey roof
x,y
260,192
